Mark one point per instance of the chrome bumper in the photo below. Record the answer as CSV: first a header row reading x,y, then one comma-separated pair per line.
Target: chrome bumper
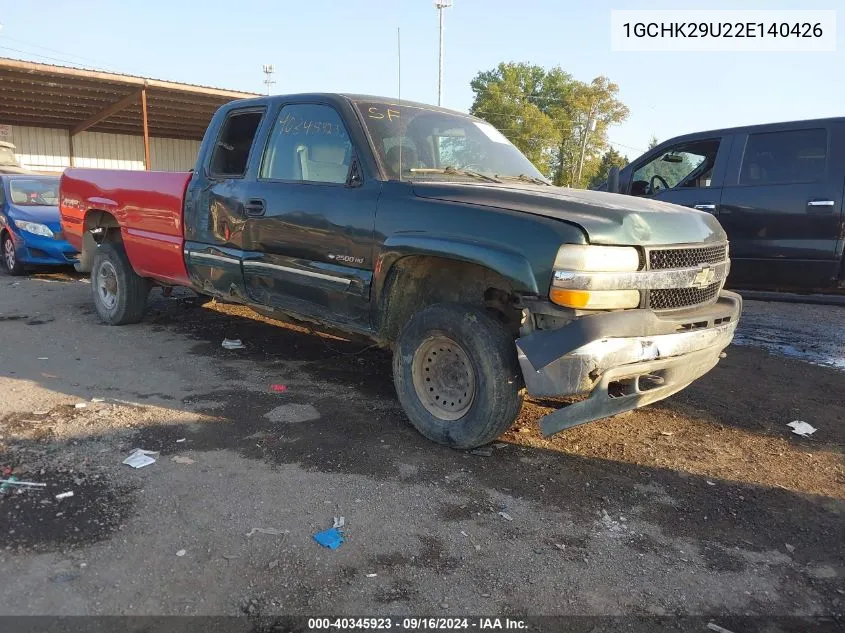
x,y
624,360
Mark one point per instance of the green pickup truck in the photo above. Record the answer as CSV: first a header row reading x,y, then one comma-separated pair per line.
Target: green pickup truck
x,y
428,232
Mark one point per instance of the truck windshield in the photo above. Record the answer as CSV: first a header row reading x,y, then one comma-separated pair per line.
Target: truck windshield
x,y
436,145
34,191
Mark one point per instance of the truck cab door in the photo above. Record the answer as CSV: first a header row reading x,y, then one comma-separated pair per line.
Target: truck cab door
x,y
214,209
310,213
783,206
689,173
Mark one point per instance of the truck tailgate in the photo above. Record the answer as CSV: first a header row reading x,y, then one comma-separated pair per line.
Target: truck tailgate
x,y
147,205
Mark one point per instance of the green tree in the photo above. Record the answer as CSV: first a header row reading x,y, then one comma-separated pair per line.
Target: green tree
x,y
559,123
653,142
507,98
611,158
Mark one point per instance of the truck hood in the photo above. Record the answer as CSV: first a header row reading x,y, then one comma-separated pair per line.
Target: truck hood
x,y
606,218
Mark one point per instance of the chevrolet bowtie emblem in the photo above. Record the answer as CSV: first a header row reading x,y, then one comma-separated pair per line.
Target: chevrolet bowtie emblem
x,y
704,277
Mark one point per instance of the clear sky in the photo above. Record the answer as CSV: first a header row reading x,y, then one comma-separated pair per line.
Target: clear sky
x,y
350,46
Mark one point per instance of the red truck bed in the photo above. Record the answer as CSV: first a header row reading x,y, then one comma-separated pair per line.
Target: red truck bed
x,y
147,205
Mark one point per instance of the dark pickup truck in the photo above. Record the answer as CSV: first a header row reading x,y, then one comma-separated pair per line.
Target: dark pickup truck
x,y
777,189
427,231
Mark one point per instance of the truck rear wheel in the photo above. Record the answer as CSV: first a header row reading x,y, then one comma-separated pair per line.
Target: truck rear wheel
x,y
457,376
120,295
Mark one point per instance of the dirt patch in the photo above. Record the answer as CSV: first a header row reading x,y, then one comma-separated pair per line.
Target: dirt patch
x,y
663,436
34,519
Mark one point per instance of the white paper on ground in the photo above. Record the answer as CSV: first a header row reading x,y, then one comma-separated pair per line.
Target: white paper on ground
x,y
140,458
802,428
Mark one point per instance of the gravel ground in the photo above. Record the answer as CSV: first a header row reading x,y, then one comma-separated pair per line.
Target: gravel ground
x,y
705,504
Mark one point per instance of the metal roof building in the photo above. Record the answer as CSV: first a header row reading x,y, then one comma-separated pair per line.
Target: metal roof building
x,y
58,116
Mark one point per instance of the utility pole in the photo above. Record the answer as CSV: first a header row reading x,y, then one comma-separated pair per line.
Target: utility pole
x,y
440,5
269,69
589,127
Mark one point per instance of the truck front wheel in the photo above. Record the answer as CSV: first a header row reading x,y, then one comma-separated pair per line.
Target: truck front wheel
x,y
457,376
120,295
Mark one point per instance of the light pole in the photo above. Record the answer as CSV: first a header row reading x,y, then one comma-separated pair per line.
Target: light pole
x,y
269,69
590,127
440,5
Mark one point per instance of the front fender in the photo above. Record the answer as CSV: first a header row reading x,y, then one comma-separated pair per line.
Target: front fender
x,y
509,264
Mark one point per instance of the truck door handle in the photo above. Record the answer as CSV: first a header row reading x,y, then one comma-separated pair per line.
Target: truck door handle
x,y
254,207
820,206
705,207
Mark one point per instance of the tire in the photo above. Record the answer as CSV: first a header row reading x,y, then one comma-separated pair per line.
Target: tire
x,y
120,295
10,258
475,350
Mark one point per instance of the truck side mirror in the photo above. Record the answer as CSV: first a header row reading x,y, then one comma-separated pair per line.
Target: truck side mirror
x,y
613,180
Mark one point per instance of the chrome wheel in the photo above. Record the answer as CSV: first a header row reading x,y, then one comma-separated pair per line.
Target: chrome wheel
x,y
107,285
443,377
9,253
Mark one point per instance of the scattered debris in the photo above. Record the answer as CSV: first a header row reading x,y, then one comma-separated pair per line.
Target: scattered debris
x,y
43,358
717,628
506,516
80,405
14,481
64,495
140,458
371,575
710,483
181,552
273,564
181,459
500,445
293,413
338,522
801,428
484,451
270,531
98,399
789,548
331,538
180,440
667,433
278,388
560,546
40,412
232,343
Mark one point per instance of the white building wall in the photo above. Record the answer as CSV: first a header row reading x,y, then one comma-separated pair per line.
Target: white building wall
x,y
108,151
48,150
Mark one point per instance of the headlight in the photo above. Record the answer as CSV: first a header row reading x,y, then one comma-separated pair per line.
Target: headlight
x,y
34,227
577,258
595,259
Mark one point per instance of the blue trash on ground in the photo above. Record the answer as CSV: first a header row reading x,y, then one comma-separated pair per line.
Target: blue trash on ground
x,y
331,538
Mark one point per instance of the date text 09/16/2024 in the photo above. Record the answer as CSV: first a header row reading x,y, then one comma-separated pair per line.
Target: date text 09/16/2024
x,y
417,624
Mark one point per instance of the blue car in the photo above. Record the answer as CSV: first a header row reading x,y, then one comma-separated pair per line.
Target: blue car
x,y
30,231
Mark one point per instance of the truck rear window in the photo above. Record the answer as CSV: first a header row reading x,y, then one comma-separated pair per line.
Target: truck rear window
x,y
231,152
782,157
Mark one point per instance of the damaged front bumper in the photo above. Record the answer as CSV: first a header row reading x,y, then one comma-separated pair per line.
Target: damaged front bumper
x,y
625,359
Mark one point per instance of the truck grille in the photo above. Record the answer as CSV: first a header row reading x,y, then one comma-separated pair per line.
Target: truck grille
x,y
687,257
676,298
